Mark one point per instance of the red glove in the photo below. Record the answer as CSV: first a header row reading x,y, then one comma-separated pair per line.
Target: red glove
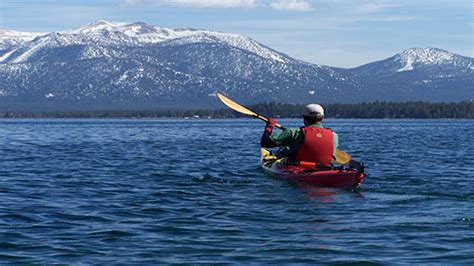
x,y
271,123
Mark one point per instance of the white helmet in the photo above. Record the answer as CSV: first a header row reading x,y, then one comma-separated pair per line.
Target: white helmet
x,y
313,110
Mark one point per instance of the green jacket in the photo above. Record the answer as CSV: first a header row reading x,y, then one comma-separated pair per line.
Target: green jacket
x,y
291,139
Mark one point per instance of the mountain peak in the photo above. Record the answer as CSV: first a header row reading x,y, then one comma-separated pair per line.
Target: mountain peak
x,y
103,22
423,56
97,26
428,54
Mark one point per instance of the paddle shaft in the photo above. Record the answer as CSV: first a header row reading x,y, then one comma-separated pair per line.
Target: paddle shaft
x,y
265,119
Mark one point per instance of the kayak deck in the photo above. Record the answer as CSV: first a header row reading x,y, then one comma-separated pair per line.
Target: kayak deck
x,y
341,177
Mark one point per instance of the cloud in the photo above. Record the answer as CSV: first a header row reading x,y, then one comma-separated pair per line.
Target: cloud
x,y
316,24
373,7
385,19
196,3
292,5
367,6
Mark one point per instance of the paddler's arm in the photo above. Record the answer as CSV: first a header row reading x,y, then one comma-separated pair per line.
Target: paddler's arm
x,y
288,137
266,141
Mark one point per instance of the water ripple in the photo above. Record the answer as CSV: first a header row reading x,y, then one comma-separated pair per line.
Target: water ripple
x,y
191,192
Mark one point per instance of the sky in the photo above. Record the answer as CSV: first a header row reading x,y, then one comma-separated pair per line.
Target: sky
x,y
340,33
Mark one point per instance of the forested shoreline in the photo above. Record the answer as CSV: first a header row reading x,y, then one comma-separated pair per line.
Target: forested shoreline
x,y
415,110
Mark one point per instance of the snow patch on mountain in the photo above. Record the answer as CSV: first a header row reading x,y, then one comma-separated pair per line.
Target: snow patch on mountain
x,y
7,55
235,40
408,66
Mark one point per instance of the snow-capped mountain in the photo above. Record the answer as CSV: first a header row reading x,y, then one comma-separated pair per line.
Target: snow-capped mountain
x,y
106,65
103,33
420,59
431,57
419,74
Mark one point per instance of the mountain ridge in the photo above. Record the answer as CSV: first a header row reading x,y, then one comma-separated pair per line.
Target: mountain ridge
x,y
121,65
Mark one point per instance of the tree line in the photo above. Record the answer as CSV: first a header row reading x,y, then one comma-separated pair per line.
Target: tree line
x,y
357,110
377,110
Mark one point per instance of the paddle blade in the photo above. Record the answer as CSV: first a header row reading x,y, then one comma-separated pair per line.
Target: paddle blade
x,y
342,157
234,106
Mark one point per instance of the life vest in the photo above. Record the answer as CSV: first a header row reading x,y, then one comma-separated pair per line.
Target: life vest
x,y
317,147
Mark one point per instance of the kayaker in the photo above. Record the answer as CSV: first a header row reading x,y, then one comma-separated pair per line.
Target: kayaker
x,y
310,143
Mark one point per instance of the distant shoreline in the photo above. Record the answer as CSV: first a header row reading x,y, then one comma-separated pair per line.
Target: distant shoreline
x,y
376,110
204,118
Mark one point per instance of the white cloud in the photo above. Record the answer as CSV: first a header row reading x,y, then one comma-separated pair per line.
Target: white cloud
x,y
315,23
373,7
385,19
196,3
366,6
292,5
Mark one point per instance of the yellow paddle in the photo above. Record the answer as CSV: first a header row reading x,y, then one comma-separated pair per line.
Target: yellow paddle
x,y
341,157
239,108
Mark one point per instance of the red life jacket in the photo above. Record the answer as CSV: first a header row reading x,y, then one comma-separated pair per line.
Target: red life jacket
x,y
318,145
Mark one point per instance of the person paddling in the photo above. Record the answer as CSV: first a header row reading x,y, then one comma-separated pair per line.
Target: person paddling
x,y
310,143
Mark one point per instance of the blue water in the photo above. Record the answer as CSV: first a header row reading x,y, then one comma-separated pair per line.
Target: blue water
x,y
191,191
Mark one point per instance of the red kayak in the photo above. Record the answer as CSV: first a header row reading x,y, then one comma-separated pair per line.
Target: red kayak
x,y
344,176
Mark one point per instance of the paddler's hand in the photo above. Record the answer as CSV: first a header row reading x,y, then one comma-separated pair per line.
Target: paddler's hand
x,y
270,125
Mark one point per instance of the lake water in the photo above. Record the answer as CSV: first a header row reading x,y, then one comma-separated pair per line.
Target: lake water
x,y
191,191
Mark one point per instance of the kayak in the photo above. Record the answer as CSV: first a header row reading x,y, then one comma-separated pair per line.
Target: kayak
x,y
343,176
